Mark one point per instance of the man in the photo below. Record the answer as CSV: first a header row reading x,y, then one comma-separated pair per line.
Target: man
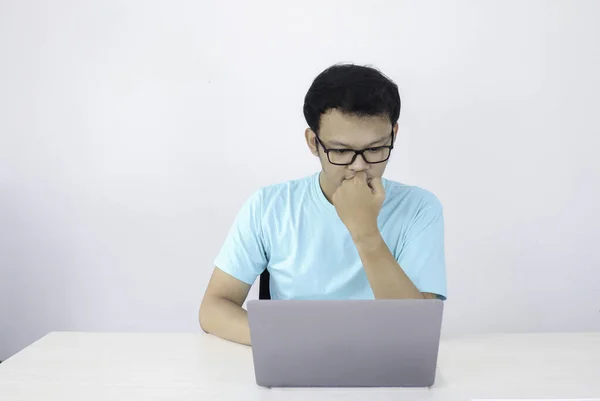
x,y
344,233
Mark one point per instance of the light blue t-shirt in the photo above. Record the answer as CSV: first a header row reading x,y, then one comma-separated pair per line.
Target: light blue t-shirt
x,y
292,230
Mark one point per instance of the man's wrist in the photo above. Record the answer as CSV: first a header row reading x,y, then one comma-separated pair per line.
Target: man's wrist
x,y
367,239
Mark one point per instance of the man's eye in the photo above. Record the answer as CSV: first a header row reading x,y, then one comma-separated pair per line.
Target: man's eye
x,y
341,151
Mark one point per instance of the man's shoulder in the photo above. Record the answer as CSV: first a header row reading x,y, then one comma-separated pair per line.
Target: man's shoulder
x,y
286,189
283,195
411,196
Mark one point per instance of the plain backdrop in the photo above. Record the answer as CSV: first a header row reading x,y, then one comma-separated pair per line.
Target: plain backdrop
x,y
132,131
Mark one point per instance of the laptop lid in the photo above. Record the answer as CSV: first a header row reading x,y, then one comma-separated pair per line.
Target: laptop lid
x,y
347,343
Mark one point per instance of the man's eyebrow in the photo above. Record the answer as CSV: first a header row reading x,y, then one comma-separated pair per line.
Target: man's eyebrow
x,y
376,142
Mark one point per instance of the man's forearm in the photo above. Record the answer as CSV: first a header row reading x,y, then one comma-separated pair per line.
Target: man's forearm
x,y
385,275
225,319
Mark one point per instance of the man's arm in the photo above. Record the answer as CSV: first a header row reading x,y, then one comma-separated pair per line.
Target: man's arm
x,y
221,311
385,275
241,259
358,205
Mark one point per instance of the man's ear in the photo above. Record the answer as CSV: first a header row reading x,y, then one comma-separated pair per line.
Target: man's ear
x,y
395,133
311,141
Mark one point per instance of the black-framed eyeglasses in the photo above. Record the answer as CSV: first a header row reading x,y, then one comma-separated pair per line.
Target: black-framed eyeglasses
x,y
345,157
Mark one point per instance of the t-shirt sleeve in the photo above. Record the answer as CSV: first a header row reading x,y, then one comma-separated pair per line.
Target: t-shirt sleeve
x,y
422,255
243,255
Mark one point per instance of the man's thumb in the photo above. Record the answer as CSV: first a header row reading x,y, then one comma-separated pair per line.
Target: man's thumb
x,y
377,186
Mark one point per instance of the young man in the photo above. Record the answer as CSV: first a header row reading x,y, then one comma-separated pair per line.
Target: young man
x,y
344,233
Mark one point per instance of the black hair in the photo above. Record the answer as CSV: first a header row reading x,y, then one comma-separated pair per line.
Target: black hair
x,y
353,89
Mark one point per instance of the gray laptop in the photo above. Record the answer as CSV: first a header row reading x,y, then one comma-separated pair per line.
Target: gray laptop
x,y
358,343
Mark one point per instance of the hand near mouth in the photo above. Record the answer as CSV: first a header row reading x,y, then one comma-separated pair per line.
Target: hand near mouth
x,y
358,201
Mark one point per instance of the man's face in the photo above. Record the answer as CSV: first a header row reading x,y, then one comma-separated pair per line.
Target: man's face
x,y
341,131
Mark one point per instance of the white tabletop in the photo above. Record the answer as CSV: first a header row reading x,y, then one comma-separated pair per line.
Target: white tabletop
x,y
92,366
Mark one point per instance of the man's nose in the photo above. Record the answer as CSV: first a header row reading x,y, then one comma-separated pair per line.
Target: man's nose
x,y
359,164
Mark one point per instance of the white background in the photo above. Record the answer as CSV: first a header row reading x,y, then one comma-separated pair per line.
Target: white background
x,y
132,131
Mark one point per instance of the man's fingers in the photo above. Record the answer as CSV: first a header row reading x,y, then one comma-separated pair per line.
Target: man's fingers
x,y
361,176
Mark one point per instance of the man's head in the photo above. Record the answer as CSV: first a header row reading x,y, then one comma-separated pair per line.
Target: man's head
x,y
351,108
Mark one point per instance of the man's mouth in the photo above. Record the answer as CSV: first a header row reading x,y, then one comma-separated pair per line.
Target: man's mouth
x,y
369,179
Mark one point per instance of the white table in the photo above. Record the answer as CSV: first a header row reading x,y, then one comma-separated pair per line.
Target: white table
x,y
92,366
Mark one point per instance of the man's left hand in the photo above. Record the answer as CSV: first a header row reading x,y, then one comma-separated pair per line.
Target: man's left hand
x,y
358,204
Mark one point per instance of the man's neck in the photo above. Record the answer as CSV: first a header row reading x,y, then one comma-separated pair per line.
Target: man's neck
x,y
328,192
